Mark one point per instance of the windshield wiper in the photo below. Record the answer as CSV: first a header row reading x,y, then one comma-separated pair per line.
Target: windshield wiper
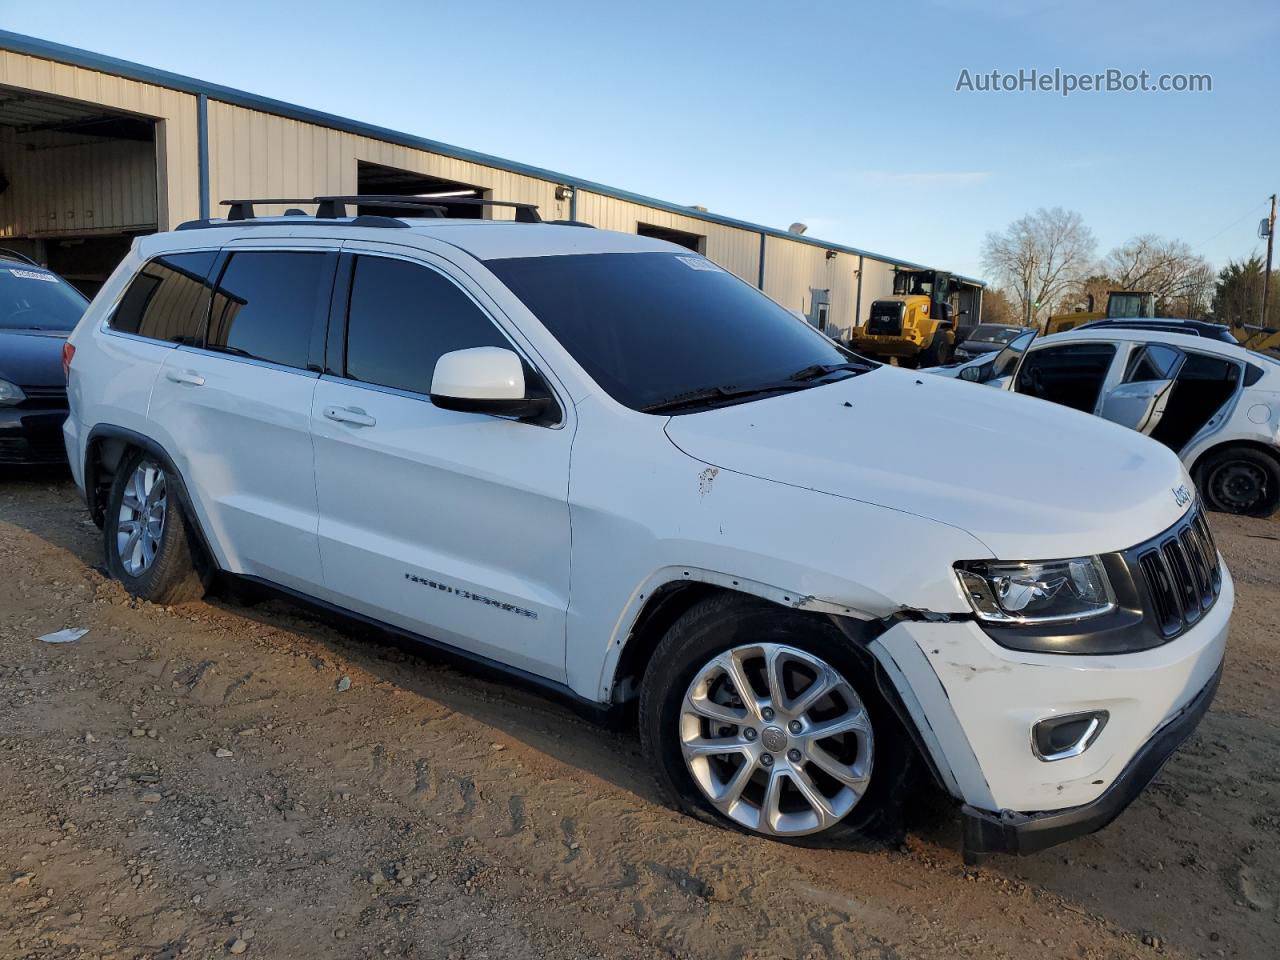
x,y
818,370
719,394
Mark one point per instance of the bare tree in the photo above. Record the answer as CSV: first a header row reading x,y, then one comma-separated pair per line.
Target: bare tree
x,y
1181,279
1039,258
997,308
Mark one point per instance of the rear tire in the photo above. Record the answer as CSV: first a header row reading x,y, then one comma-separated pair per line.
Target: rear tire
x,y
1240,480
830,789
145,536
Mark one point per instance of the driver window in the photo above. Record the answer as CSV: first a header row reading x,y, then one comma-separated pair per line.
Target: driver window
x,y
1071,374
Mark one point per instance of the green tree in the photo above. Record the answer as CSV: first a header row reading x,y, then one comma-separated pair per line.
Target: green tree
x,y
1237,295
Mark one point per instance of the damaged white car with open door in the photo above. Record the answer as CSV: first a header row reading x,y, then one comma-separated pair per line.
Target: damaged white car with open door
x,y
1217,405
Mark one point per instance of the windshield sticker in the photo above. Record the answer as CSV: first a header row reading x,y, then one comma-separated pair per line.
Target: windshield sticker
x,y
698,263
34,275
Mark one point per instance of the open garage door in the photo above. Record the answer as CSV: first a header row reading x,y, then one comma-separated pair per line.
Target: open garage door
x,y
77,183
375,178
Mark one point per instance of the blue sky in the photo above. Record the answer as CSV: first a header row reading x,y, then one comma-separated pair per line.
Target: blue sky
x,y
841,115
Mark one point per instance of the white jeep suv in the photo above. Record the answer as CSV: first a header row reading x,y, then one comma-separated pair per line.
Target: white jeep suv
x,y
604,464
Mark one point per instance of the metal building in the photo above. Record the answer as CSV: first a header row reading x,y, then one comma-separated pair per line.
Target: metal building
x,y
95,150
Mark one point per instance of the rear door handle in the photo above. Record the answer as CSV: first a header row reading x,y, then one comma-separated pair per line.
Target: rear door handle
x,y
352,415
189,377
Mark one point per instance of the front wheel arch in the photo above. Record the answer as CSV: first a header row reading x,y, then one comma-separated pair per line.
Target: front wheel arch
x,y
714,621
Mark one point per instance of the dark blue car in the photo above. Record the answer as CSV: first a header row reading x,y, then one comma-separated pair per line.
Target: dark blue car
x,y
37,311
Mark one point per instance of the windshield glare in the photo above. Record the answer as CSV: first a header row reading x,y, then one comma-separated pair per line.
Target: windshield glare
x,y
652,327
994,334
32,298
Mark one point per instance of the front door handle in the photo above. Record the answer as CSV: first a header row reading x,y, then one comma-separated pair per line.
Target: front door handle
x,y
352,415
189,377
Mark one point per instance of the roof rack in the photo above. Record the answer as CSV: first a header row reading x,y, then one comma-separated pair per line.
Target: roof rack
x,y
335,207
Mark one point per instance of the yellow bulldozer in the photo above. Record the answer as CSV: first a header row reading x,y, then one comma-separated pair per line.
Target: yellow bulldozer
x,y
1121,304
916,325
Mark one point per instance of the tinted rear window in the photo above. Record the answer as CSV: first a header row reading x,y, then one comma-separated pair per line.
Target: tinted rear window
x,y
268,303
402,317
167,299
648,327
32,298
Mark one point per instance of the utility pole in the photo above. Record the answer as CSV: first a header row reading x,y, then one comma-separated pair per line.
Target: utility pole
x,y
1266,277
1026,293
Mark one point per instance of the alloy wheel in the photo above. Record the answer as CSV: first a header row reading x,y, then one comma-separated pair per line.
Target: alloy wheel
x,y
140,524
776,739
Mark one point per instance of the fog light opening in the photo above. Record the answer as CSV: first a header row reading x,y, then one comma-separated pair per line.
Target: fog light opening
x,y
1066,736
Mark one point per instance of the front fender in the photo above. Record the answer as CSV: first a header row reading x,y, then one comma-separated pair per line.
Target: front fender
x,y
645,514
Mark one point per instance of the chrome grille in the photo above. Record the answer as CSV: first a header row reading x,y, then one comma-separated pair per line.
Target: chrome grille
x,y
1181,572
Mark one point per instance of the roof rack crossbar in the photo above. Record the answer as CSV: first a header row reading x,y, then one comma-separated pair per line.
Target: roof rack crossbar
x,y
525,212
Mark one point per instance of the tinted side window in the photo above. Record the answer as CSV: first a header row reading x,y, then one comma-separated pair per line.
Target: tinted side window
x,y
268,302
168,298
1071,374
402,317
1154,362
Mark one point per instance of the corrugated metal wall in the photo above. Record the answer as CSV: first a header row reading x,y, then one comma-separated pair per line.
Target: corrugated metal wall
x,y
69,186
254,154
738,251
877,282
177,174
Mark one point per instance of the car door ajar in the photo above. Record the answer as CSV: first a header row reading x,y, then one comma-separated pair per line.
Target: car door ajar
x,y
1072,374
1140,400
234,409
451,525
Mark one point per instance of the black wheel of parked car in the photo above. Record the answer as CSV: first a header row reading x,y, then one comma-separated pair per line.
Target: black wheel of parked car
x,y
938,351
768,721
1240,480
145,535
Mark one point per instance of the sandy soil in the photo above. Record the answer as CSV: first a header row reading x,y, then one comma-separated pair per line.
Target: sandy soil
x,y
194,782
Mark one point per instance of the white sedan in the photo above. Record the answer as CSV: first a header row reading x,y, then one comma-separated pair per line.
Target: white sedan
x,y
1216,404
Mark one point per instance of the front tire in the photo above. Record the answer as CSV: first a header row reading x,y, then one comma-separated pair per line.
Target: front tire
x,y
937,353
145,535
1240,480
770,723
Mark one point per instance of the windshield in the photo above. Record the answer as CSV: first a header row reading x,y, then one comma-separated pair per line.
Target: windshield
x,y
994,334
32,298
651,328
913,283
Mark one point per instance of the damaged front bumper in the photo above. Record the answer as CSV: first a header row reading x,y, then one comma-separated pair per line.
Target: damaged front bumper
x,y
986,833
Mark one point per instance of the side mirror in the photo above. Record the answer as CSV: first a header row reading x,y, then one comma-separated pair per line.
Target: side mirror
x,y
484,380
972,374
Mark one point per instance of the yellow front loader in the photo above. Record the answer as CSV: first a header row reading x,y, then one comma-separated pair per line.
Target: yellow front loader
x,y
915,325
1121,304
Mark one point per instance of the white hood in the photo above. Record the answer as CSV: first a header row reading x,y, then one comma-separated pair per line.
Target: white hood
x,y
1030,479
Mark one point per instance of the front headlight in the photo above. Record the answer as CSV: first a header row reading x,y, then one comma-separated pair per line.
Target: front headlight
x,y
1036,591
10,393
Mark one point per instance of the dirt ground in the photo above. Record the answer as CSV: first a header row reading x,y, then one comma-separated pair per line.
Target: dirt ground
x,y
201,781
